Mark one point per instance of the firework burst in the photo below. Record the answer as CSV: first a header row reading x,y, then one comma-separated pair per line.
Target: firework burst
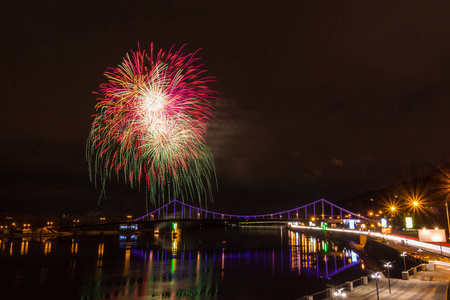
x,y
150,126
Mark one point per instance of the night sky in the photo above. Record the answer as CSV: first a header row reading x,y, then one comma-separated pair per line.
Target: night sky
x,y
318,99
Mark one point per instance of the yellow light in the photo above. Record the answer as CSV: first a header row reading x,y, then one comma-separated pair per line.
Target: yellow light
x,y
415,203
392,208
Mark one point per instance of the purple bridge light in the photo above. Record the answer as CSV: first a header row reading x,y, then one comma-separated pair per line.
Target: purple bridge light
x,y
327,210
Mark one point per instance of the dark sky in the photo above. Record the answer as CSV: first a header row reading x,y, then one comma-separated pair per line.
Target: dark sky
x,y
319,99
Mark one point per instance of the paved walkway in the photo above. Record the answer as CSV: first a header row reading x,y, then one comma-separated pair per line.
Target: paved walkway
x,y
426,285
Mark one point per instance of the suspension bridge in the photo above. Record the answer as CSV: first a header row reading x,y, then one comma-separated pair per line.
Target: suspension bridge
x,y
317,210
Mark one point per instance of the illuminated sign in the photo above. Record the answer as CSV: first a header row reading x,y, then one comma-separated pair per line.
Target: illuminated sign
x,y
351,224
386,230
409,223
432,235
383,222
124,227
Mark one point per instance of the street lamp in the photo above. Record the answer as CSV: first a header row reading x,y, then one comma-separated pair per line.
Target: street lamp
x,y
420,251
404,254
387,266
339,293
446,210
377,277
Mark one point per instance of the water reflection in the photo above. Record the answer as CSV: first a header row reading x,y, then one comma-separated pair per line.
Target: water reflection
x,y
74,248
176,264
24,247
47,247
306,251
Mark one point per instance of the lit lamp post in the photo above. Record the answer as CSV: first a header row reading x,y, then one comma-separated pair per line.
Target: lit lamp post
x,y
388,265
377,277
404,254
420,251
339,293
446,210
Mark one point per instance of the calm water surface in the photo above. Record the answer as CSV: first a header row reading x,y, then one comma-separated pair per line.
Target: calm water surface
x,y
212,263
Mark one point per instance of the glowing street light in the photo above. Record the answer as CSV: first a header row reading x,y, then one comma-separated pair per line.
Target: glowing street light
x,y
404,254
420,251
339,293
388,265
377,277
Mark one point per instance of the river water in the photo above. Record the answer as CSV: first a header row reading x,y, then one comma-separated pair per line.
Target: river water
x,y
209,263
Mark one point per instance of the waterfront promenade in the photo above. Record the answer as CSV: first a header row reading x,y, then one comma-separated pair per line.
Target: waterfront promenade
x,y
426,285
431,284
